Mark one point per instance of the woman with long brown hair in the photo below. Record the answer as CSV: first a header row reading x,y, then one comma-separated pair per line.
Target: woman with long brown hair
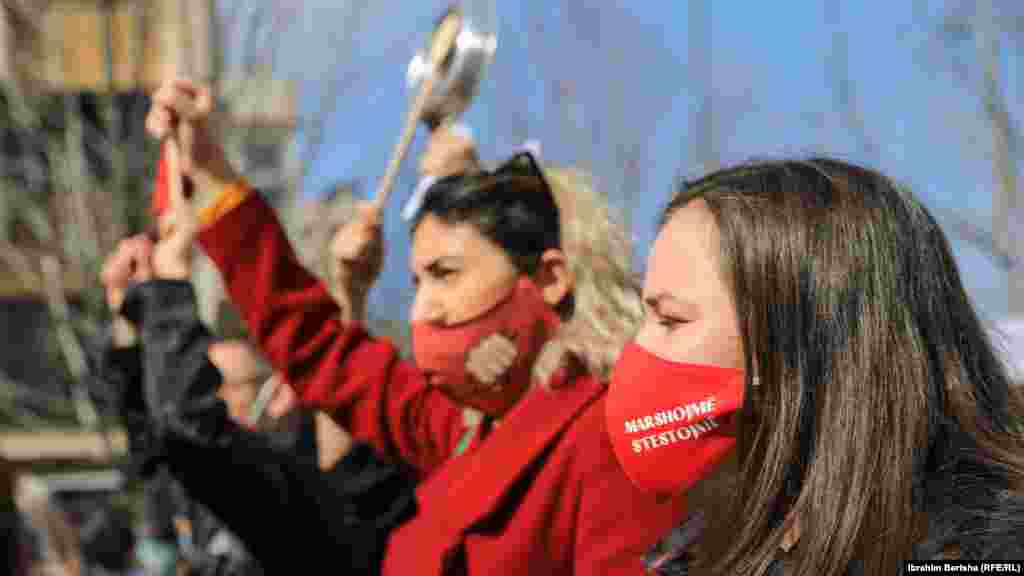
x,y
516,471
809,315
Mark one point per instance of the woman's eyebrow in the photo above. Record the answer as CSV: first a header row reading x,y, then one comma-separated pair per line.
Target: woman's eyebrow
x,y
436,263
447,261
657,300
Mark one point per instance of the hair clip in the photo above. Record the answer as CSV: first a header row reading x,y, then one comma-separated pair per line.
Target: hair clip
x,y
419,194
415,201
461,129
532,146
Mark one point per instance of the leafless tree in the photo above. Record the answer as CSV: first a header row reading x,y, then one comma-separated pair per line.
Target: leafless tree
x,y
586,64
80,177
706,144
974,38
848,104
68,187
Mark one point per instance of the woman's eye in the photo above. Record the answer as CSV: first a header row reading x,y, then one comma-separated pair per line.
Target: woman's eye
x,y
669,323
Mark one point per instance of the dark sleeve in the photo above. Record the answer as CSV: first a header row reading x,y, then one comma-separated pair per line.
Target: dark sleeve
x,y
375,498
278,505
115,370
274,501
179,384
115,386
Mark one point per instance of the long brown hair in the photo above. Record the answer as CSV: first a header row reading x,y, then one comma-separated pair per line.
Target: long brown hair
x,y
882,416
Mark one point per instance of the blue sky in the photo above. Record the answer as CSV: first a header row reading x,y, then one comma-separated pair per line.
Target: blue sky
x,y
601,84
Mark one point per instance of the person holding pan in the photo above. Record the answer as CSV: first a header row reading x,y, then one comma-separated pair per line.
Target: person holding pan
x,y
518,316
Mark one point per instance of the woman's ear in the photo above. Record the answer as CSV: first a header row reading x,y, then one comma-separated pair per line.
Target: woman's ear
x,y
554,278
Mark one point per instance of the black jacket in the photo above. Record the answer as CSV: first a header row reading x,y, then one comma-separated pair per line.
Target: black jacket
x,y
118,386
274,498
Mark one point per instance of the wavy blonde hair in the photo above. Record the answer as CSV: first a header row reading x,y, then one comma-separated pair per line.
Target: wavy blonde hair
x,y
606,297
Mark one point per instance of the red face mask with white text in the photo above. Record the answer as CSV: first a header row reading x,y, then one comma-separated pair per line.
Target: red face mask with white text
x,y
523,317
671,423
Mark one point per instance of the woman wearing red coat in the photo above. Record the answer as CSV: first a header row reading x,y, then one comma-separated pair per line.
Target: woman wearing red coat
x,y
523,301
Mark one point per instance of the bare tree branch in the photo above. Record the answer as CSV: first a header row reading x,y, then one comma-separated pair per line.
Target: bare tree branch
x,y
705,147
67,221
1004,134
1006,205
342,41
70,347
843,86
971,38
982,238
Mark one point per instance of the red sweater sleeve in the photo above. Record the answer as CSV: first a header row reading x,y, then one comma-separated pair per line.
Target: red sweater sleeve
x,y
335,367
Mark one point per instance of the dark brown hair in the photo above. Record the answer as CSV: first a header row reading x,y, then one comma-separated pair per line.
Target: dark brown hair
x,y
513,207
883,418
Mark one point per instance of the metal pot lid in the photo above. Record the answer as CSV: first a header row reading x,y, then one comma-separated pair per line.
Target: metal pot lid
x,y
458,77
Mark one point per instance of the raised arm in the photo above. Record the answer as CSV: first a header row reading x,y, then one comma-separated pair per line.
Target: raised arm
x,y
344,514
332,365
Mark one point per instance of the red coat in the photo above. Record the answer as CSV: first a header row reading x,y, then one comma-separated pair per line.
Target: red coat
x,y
542,494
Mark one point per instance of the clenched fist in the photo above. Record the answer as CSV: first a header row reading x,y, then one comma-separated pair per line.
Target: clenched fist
x,y
449,152
490,359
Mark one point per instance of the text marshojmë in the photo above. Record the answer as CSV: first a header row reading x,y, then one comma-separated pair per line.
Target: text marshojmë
x,y
689,421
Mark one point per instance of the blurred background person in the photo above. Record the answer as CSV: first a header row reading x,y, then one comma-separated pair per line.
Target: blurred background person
x,y
51,544
176,529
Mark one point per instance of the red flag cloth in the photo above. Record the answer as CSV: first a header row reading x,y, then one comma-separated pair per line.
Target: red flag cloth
x,y
160,200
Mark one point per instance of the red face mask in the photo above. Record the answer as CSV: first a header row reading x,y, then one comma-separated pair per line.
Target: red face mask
x,y
523,317
670,423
